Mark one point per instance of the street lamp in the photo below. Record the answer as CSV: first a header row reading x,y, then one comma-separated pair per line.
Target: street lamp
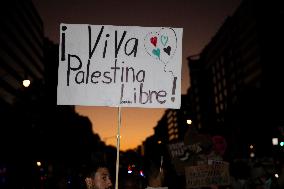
x,y
189,122
26,82
274,141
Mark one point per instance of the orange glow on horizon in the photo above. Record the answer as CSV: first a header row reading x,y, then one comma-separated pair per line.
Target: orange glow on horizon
x,y
136,124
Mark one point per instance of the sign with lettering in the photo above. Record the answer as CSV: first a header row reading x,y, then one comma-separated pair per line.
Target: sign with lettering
x,y
183,155
180,150
216,173
119,66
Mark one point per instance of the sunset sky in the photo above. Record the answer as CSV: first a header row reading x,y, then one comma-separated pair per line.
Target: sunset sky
x,y
200,19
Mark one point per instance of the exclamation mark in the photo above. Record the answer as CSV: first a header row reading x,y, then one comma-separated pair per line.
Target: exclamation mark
x,y
174,89
63,44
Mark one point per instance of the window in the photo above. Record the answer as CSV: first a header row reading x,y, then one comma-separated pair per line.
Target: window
x,y
223,71
217,109
214,79
216,100
213,70
218,75
224,82
221,106
220,97
197,108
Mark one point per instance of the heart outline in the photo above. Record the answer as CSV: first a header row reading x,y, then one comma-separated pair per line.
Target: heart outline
x,y
164,39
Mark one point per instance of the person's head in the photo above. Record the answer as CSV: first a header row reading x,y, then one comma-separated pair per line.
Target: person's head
x,y
219,144
132,182
98,178
155,175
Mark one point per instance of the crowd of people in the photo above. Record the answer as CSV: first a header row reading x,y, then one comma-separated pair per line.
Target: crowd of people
x,y
99,177
242,176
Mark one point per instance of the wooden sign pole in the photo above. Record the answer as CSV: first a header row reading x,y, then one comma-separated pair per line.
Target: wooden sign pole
x,y
117,147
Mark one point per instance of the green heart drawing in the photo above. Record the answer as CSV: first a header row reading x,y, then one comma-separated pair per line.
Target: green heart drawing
x,y
156,52
164,39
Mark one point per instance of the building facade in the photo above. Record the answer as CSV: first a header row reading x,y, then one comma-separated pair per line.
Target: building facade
x,y
21,48
236,80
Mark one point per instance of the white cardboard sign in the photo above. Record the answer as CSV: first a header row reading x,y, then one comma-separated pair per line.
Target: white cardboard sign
x,y
119,66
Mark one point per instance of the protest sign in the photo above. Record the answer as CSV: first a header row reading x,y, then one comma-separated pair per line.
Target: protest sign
x,y
179,149
183,155
207,175
119,66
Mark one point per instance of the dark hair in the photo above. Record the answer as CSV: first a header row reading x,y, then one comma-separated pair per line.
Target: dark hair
x,y
152,172
133,181
91,170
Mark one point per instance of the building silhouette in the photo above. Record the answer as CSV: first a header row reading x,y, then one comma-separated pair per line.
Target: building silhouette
x,y
236,90
21,57
33,128
21,48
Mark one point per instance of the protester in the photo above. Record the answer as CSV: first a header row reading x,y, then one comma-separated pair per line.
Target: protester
x,y
240,174
262,178
132,182
98,178
155,176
